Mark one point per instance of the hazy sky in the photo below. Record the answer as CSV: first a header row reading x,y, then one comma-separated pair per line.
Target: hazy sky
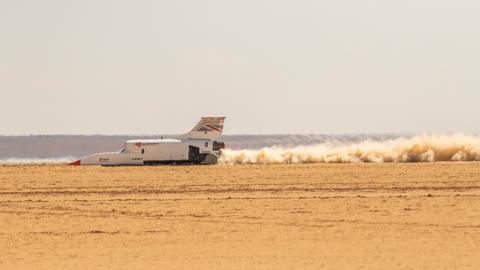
x,y
155,67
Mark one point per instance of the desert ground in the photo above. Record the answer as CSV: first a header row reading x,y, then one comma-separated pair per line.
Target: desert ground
x,y
302,216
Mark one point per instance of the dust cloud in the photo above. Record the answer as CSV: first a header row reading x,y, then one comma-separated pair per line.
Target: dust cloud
x,y
421,148
59,160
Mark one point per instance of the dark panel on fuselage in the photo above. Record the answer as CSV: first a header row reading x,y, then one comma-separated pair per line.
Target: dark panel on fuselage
x,y
194,154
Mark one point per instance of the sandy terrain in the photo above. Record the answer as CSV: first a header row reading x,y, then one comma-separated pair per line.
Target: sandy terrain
x,y
304,216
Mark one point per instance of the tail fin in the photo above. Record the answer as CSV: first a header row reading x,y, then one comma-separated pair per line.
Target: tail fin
x,y
207,128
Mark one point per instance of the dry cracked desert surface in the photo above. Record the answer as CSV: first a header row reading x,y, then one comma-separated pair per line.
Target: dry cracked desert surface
x,y
304,216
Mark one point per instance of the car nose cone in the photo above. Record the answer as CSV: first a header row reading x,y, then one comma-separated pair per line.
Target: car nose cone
x,y
75,163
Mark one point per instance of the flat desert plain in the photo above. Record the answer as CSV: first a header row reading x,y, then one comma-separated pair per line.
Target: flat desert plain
x,y
303,216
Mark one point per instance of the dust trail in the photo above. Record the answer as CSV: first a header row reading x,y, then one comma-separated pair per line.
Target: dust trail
x,y
422,148
59,160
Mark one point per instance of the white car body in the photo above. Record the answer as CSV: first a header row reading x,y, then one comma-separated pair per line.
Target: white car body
x,y
196,147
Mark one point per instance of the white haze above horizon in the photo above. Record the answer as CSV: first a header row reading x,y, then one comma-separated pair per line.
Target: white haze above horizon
x,y
289,67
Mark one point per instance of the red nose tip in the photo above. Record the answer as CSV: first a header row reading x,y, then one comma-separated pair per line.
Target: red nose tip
x,y
75,163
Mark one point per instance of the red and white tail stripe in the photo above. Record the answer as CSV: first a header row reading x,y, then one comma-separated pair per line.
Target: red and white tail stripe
x,y
207,128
